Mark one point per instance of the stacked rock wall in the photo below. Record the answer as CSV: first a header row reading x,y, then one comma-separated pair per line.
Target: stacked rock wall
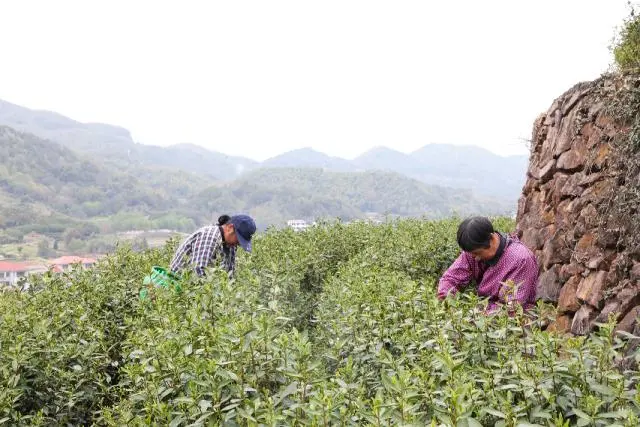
x,y
570,177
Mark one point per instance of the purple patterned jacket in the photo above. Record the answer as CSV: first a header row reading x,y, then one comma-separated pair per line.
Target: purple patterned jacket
x,y
517,263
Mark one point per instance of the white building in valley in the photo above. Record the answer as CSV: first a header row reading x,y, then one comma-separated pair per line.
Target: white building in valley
x,y
298,224
12,271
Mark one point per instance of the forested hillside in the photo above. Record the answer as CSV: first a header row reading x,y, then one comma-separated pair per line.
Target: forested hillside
x,y
274,194
77,198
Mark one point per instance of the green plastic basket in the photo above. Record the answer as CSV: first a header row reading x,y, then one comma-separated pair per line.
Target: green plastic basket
x,y
159,278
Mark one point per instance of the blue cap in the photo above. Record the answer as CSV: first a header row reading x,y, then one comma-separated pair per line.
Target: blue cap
x,y
244,226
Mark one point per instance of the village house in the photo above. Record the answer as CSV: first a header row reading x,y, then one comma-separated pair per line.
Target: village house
x,y
11,271
66,263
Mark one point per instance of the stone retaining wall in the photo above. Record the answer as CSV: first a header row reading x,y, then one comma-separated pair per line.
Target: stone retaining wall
x,y
582,268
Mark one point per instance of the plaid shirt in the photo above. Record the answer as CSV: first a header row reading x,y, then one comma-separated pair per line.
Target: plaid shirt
x,y
201,248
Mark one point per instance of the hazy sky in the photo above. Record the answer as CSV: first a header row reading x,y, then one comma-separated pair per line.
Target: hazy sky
x,y
256,78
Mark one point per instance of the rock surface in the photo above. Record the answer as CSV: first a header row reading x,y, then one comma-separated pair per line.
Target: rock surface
x,y
581,266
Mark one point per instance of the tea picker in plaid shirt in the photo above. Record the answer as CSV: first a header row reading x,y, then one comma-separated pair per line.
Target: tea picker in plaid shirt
x,y
215,243
491,259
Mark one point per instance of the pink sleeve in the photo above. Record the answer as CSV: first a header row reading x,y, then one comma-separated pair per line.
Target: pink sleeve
x,y
458,275
525,277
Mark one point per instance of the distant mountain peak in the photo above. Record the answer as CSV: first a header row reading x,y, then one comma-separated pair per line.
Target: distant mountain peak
x,y
308,157
304,150
380,149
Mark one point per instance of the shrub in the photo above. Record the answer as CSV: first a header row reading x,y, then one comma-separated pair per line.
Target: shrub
x,y
626,49
334,325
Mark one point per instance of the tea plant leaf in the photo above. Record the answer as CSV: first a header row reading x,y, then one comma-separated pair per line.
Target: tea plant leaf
x,y
541,414
469,422
581,414
186,400
188,349
176,421
494,412
622,414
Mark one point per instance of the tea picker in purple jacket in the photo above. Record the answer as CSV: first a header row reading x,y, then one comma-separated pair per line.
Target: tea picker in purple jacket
x,y
491,259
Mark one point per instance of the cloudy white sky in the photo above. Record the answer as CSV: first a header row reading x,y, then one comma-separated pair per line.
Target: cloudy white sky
x,y
256,78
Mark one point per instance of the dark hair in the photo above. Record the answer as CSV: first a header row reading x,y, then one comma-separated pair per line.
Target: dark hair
x,y
475,233
223,219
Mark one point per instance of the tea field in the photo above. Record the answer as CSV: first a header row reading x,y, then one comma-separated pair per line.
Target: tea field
x,y
338,325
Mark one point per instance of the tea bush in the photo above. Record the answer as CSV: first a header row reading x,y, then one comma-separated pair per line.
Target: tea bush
x,y
338,325
626,44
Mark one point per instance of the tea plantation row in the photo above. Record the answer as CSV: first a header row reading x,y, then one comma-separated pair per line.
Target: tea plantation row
x,y
338,325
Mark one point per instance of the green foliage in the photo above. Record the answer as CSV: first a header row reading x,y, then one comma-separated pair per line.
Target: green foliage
x,y
53,226
43,172
44,250
60,342
47,188
335,325
626,48
81,232
619,210
100,245
123,221
276,195
174,221
139,244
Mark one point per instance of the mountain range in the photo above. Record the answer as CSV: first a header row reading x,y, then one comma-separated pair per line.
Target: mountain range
x,y
456,166
75,182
